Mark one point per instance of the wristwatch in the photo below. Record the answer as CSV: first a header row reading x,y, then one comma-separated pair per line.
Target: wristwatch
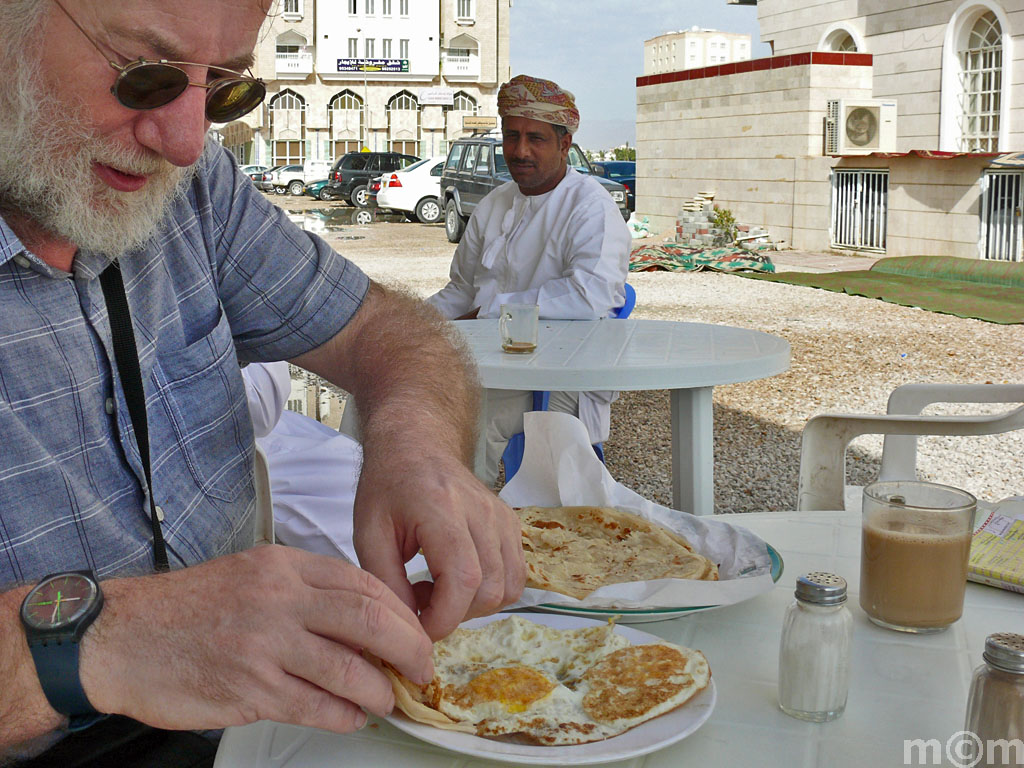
x,y
55,615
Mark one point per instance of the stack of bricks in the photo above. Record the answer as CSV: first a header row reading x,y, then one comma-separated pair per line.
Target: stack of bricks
x,y
695,226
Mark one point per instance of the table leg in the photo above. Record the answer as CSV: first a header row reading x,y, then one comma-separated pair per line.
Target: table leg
x,y
480,457
693,488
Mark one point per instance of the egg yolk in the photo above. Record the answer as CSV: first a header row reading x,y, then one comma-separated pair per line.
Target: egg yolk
x,y
515,687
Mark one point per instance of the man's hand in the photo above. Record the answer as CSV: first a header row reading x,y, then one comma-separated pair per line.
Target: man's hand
x,y
414,381
469,537
271,633
471,315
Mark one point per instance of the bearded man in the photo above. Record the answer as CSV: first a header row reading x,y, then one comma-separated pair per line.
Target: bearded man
x,y
110,192
552,237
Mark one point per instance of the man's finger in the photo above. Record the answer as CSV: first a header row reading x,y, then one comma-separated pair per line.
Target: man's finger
x,y
491,592
342,672
452,558
322,572
360,621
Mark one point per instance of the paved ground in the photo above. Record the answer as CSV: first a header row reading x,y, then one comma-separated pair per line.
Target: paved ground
x,y
804,261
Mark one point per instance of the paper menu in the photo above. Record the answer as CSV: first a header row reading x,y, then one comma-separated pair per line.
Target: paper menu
x,y
997,549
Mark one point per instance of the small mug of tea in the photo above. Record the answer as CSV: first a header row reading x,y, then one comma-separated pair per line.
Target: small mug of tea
x,y
915,547
517,325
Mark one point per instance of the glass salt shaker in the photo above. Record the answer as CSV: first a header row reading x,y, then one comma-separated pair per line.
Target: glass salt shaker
x,y
814,656
995,705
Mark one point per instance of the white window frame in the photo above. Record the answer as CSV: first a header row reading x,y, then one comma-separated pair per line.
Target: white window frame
x,y
353,47
465,10
291,10
385,7
403,8
368,48
369,7
353,7
957,31
403,48
385,48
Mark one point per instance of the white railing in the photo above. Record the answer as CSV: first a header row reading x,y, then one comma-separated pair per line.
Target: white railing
x,y
461,65
294,63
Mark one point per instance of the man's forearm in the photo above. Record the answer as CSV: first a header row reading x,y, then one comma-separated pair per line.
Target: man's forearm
x,y
24,712
410,373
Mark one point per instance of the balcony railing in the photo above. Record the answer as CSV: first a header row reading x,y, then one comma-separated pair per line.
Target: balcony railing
x,y
294,64
461,66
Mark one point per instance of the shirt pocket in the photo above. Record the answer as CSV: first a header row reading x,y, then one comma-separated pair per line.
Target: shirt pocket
x,y
200,390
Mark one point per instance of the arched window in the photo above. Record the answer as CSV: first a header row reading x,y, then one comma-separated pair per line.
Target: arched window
x,y
981,65
841,38
403,113
287,117
976,79
463,102
346,124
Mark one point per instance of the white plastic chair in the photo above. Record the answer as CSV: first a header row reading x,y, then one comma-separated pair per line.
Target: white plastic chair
x,y
825,437
263,525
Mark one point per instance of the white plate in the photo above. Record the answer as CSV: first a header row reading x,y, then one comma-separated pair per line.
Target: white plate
x,y
650,736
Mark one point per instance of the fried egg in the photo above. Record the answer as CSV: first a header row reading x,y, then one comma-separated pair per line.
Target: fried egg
x,y
551,686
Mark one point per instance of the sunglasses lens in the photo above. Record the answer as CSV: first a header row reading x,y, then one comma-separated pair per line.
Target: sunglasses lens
x,y
231,98
148,86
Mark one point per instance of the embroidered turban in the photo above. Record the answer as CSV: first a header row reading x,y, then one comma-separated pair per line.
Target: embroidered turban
x,y
525,96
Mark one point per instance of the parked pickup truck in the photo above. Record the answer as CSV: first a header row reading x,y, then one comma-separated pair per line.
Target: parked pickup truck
x,y
476,165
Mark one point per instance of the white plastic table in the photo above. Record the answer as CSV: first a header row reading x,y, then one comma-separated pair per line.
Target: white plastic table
x,y
902,687
689,359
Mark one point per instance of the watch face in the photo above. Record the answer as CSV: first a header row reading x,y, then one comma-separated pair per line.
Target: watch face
x,y
59,601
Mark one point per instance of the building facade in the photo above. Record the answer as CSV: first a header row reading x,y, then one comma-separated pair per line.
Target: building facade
x,y
692,48
347,75
777,138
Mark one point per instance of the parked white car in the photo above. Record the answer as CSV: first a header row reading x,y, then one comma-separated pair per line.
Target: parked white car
x,y
414,190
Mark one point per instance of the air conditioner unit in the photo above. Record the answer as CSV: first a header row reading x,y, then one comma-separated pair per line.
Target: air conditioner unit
x,y
860,126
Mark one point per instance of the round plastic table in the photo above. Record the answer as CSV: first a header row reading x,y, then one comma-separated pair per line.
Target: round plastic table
x,y
689,359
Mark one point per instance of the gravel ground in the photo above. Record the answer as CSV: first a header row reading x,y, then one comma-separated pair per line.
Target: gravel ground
x,y
848,353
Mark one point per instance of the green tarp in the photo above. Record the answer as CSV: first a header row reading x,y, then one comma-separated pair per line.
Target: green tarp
x,y
984,290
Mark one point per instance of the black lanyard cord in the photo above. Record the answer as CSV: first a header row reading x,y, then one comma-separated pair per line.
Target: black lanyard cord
x,y
127,357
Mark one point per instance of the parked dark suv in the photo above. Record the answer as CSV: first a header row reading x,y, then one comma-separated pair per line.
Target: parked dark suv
x,y
351,173
476,165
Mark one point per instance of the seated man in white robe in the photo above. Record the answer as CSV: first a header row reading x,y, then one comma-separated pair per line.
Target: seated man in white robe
x,y
551,237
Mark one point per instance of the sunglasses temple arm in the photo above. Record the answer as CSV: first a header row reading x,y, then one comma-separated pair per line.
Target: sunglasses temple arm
x,y
86,36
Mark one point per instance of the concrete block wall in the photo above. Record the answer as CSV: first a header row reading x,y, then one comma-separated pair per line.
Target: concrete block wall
x,y
753,136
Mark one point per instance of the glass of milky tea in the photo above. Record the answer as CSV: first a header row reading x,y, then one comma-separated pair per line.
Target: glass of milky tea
x,y
915,545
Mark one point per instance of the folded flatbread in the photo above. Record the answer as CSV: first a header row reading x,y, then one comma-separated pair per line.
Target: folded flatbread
x,y
575,550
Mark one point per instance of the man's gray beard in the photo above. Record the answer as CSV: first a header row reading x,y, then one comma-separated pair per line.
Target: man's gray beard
x,y
46,155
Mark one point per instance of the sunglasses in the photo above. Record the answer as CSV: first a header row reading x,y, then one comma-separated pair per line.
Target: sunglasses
x,y
148,84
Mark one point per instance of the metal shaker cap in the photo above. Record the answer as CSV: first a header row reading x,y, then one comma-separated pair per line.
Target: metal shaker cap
x,y
1006,651
820,588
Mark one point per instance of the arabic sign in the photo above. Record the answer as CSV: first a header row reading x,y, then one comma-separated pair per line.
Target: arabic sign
x,y
479,121
443,96
373,65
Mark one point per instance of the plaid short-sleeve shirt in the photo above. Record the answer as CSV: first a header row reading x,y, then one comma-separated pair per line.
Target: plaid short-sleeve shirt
x,y
228,278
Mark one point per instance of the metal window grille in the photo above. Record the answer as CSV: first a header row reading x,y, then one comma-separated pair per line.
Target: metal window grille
x,y
860,206
1001,215
981,66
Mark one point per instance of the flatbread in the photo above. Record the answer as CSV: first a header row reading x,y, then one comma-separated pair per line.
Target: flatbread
x,y
575,550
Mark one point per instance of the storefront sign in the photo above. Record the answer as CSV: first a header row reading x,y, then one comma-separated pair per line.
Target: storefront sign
x,y
479,122
373,65
435,96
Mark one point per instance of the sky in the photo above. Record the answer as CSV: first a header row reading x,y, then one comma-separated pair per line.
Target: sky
x,y
595,48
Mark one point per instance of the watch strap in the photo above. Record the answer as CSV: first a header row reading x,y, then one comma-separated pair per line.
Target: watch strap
x,y
57,666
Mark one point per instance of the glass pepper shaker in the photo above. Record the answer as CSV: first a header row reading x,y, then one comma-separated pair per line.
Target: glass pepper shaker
x,y
814,655
995,705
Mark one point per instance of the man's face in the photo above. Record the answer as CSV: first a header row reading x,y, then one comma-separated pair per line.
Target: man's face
x,y
535,153
75,163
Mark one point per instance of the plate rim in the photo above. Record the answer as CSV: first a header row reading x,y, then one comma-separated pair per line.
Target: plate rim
x,y
562,755
773,554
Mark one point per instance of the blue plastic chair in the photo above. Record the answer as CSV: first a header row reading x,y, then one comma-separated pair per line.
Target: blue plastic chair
x,y
513,455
